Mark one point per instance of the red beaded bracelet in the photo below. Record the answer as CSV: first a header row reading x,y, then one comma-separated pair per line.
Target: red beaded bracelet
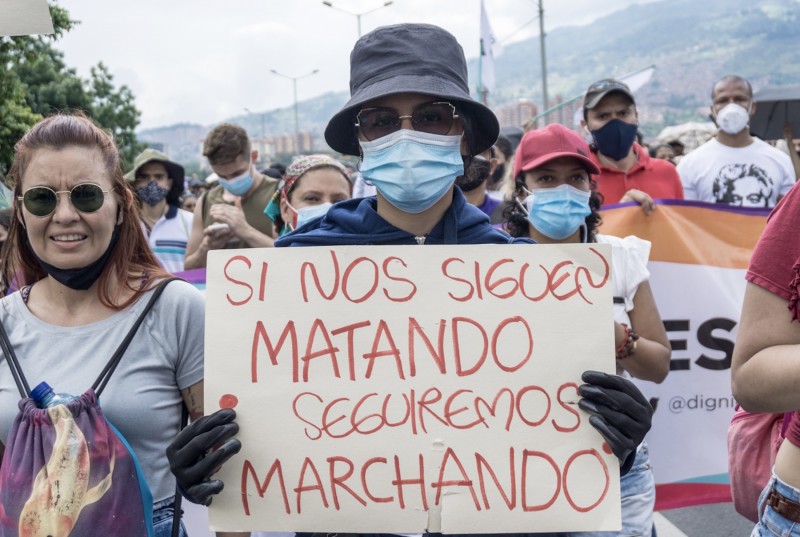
x,y
628,345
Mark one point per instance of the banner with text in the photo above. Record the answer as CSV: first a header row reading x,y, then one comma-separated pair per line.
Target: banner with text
x,y
698,261
404,389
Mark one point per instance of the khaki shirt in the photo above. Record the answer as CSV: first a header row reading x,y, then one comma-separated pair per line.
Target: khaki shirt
x,y
253,206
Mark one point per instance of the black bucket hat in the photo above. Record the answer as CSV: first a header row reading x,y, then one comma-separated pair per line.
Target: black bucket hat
x,y
409,58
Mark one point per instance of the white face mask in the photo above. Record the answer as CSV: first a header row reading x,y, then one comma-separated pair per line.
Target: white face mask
x,y
733,118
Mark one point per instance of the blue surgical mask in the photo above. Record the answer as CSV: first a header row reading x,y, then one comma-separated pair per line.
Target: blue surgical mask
x,y
310,213
238,186
412,170
615,138
557,212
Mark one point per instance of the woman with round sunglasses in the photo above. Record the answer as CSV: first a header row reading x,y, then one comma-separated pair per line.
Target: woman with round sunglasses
x,y
85,272
415,126
556,202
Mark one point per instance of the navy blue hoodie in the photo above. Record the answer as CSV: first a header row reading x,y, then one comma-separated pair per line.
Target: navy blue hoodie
x,y
356,221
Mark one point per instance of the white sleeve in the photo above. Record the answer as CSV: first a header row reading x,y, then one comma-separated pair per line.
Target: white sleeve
x,y
687,178
788,178
638,253
629,258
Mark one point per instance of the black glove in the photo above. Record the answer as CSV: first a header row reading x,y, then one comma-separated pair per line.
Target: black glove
x,y
618,411
192,460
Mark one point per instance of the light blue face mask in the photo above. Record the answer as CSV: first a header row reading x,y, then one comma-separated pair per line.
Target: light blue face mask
x,y
412,169
311,213
557,212
239,185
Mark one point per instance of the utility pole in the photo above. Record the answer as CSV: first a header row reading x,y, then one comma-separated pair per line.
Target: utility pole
x,y
359,15
294,80
544,58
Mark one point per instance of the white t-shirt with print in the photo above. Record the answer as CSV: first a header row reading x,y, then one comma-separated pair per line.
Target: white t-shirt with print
x,y
753,176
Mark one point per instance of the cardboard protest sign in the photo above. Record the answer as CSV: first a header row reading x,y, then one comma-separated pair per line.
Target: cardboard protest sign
x,y
25,17
399,389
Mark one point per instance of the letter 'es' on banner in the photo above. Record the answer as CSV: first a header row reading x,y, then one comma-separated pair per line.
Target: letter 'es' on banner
x,y
401,389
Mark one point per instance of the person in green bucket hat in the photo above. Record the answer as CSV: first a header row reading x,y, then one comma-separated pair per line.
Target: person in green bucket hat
x,y
158,184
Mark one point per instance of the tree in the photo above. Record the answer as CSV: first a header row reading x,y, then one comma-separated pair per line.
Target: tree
x,y
35,82
114,109
16,116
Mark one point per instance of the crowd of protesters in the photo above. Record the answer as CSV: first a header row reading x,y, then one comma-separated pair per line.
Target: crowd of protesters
x,y
184,219
86,244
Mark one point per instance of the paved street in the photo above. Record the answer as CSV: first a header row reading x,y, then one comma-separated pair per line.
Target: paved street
x,y
716,520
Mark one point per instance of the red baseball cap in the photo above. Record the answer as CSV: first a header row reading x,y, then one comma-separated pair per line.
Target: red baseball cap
x,y
553,141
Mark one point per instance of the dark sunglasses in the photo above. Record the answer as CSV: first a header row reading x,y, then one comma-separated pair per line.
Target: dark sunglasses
x,y
85,197
433,118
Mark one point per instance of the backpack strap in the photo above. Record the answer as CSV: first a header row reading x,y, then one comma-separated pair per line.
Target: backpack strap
x,y
105,375
176,506
13,363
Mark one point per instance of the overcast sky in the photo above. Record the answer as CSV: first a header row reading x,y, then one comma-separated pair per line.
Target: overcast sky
x,y
203,61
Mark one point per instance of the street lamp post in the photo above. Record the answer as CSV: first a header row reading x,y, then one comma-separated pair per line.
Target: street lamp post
x,y
294,80
358,15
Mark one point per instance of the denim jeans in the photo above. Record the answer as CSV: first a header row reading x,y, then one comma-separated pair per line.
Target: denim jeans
x,y
771,523
162,519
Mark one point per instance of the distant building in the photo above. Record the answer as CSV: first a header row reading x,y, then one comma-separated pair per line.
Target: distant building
x,y
517,113
564,113
285,144
265,147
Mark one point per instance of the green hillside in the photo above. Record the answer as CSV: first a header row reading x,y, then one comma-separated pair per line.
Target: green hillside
x,y
691,43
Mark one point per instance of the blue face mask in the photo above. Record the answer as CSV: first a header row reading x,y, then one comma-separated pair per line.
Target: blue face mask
x,y
412,170
311,213
615,138
557,212
238,186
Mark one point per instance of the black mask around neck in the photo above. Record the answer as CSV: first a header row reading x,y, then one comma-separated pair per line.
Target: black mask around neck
x,y
80,278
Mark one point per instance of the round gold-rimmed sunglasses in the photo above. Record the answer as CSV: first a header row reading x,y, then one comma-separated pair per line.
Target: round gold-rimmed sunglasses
x,y
433,118
85,197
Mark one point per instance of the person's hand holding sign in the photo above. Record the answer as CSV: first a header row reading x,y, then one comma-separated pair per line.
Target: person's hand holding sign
x,y
199,450
618,411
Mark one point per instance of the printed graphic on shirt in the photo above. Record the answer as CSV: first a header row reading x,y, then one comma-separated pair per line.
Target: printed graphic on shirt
x,y
745,185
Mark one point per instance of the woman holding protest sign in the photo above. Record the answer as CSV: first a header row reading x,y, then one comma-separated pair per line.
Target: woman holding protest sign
x,y
310,186
764,368
415,126
87,279
556,203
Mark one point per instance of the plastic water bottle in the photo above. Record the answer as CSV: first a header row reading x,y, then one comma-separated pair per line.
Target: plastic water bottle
x,y
44,396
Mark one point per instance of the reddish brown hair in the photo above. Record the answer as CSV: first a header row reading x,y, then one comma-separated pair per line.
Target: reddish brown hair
x,y
131,259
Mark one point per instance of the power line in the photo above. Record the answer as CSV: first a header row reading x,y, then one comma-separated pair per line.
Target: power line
x,y
506,38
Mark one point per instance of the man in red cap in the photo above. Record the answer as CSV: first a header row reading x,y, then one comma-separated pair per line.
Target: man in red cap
x,y
627,172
